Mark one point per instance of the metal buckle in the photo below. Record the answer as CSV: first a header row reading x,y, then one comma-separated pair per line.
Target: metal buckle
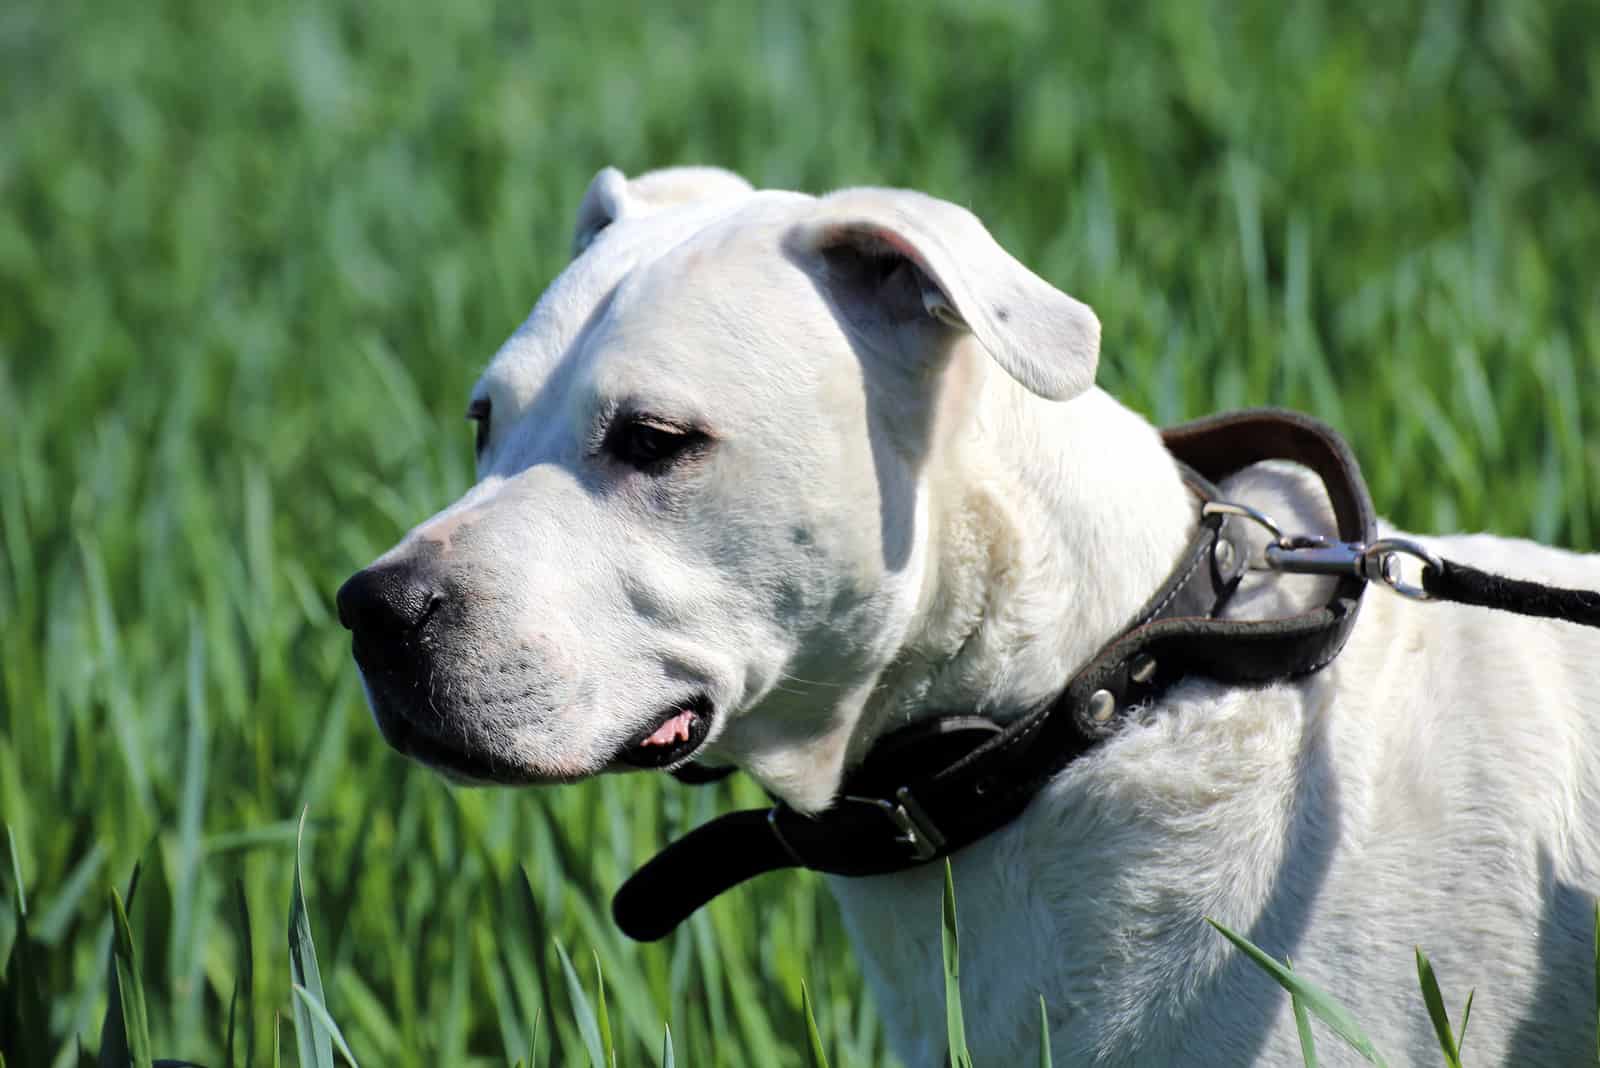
x,y
910,819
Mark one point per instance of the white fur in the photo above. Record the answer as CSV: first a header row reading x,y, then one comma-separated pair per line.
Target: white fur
x,y
895,520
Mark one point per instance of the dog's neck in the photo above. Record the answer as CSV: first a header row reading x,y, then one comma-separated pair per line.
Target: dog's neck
x,y
1051,524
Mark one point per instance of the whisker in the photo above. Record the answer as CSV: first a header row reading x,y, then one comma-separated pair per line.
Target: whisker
x,y
813,682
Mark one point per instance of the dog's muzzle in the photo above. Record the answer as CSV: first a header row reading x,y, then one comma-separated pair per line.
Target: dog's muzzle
x,y
392,611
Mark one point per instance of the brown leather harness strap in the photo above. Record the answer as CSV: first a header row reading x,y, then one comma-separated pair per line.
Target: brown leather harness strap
x,y
929,789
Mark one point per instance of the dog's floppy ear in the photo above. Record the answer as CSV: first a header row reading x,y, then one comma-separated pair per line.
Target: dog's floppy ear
x,y
612,196
1043,338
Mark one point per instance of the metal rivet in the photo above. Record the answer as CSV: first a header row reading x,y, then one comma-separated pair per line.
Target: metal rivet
x,y
1143,668
1101,705
1223,554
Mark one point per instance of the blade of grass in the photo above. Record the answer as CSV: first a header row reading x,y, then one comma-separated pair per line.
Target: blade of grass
x,y
1434,1000
233,1008
267,834
114,1033
184,952
50,922
316,1050
819,1058
607,1046
108,649
582,1010
319,1013
1302,1024
708,958
1466,1014
451,1032
960,1056
16,873
1044,1035
135,1021
360,1009
245,984
25,1000
22,996
1318,1001
526,963
494,969
667,1059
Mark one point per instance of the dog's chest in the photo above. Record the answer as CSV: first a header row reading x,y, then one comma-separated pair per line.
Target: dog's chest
x,y
1092,900
1004,921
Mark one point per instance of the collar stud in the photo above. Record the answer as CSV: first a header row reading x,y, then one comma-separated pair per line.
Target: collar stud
x,y
1101,705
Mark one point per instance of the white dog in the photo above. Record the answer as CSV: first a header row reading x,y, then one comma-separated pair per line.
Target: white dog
x,y
765,476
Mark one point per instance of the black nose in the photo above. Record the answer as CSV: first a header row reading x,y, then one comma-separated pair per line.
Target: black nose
x,y
387,601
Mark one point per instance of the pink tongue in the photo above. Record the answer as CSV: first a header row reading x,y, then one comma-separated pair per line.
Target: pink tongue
x,y
675,729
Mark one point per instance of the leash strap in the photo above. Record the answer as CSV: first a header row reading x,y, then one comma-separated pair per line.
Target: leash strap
x,y
1467,585
927,790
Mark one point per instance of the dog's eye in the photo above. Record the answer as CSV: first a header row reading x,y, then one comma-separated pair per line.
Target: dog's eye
x,y
650,444
478,412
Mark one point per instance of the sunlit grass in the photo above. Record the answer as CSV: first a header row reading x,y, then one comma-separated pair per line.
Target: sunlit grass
x,y
126,1039
252,257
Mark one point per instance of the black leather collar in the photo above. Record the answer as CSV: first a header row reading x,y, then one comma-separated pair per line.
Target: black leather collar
x,y
927,790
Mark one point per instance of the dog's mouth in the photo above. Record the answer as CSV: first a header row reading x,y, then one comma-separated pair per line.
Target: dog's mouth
x,y
672,736
457,762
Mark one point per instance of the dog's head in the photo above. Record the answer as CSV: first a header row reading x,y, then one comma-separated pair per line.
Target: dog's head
x,y
707,467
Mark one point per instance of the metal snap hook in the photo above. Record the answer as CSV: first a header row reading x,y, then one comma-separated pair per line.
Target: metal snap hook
x,y
1380,562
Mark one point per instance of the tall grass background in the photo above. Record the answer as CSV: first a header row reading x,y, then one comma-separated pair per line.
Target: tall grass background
x,y
253,255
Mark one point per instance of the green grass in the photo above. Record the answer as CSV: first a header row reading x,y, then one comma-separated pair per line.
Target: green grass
x,y
253,255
